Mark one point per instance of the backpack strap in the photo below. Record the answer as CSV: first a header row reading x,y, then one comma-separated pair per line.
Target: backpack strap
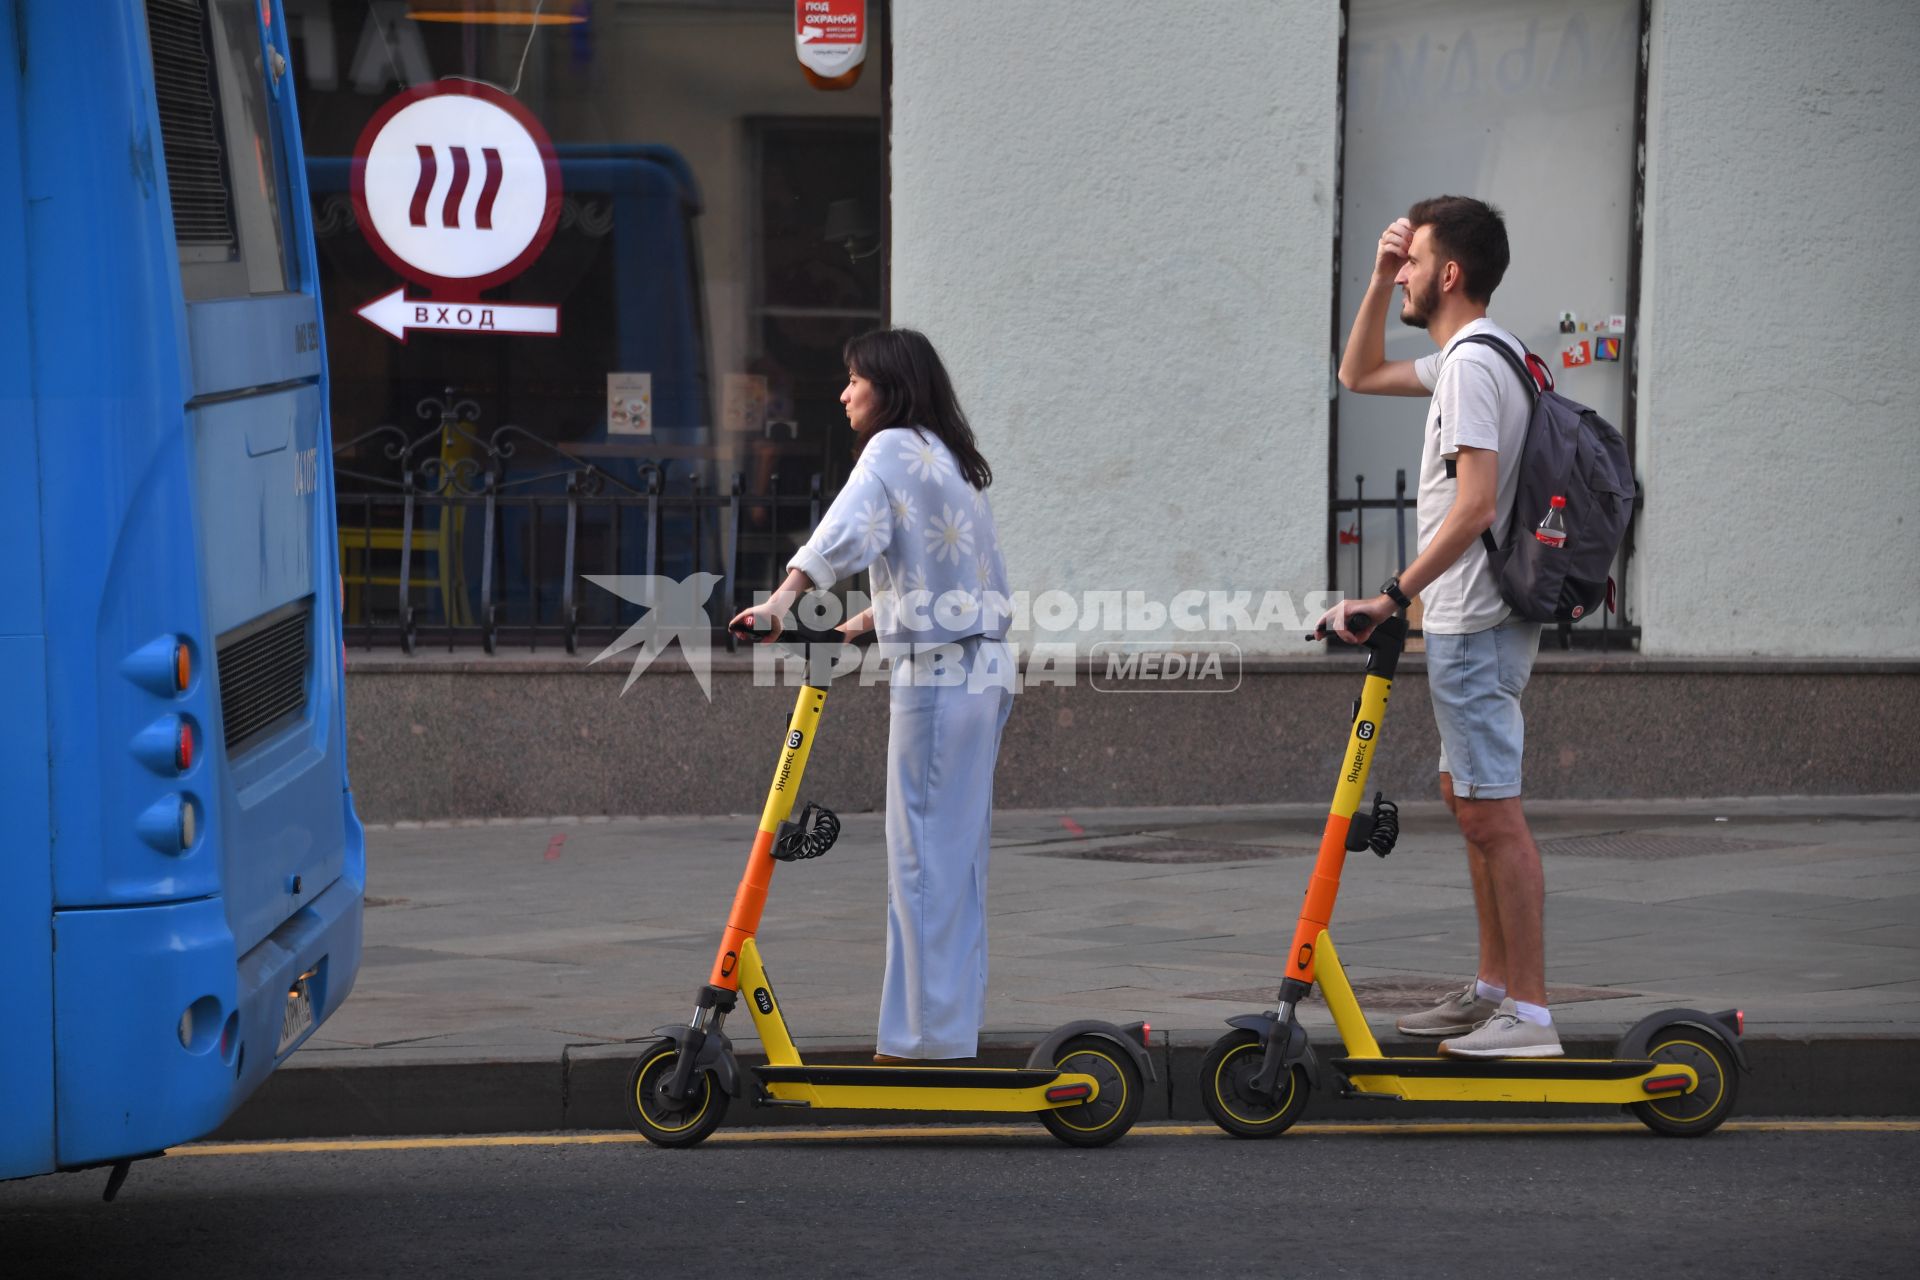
x,y
1534,390
1514,362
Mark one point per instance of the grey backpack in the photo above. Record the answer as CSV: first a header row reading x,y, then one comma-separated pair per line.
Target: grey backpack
x,y
1573,453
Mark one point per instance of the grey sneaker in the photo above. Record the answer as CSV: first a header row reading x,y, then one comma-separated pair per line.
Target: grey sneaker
x,y
1505,1035
1458,1014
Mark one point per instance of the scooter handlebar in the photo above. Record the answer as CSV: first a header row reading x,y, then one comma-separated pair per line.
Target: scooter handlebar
x,y
795,633
1353,619
1386,641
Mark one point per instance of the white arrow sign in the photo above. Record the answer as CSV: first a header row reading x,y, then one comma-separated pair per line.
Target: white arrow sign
x,y
397,313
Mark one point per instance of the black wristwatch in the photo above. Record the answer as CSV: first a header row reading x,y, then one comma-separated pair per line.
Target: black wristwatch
x,y
1391,590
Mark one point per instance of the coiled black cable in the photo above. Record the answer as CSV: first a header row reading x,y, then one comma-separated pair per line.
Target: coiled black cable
x,y
1386,825
808,836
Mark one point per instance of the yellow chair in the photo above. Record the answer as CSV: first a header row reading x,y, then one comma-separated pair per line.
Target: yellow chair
x,y
443,539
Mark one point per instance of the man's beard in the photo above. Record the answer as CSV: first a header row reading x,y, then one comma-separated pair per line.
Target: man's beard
x,y
1417,316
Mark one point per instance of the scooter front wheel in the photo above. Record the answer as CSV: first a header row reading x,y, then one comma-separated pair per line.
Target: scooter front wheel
x,y
661,1121
1700,1110
1226,1079
1109,1113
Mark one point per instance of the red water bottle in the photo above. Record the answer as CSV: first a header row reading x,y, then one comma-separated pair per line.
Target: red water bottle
x,y
1553,529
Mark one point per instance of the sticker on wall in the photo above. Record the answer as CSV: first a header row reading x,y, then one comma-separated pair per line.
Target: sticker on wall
x,y
743,403
1568,321
629,404
457,188
1576,355
1606,348
830,39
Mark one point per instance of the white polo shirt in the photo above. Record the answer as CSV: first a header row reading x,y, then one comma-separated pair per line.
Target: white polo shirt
x,y
1478,401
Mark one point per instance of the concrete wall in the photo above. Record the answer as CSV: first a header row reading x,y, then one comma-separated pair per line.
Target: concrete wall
x,y
1115,219
439,737
1777,383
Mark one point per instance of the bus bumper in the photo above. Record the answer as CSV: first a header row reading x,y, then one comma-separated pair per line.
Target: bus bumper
x,y
161,1031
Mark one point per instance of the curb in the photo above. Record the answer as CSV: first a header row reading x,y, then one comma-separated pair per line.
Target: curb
x,y
584,1088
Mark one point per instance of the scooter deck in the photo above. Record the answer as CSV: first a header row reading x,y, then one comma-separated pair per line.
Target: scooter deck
x,y
1620,1081
1572,1080
891,1088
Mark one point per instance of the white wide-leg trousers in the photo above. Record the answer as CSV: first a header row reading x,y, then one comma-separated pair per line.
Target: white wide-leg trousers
x,y
949,707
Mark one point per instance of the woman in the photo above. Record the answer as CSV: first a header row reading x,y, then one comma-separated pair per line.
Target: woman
x,y
914,512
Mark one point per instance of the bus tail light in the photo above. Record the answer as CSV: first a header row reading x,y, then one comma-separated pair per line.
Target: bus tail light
x,y
162,666
168,746
171,824
200,1025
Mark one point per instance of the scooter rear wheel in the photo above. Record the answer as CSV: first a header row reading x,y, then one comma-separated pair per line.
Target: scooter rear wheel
x,y
1700,1110
1111,1112
667,1124
1227,1073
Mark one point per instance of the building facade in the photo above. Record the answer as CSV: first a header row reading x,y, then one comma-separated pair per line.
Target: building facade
x,y
1137,232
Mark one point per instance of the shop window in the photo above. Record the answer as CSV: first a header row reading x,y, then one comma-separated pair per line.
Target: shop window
x,y
718,240
1531,107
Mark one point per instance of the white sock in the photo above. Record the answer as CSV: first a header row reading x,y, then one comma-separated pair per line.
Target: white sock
x,y
1535,1013
1486,991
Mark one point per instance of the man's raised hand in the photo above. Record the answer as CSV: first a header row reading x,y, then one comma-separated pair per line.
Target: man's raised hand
x,y
1395,241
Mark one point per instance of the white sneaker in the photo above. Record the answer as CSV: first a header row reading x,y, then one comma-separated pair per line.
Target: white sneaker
x,y
1506,1035
1458,1014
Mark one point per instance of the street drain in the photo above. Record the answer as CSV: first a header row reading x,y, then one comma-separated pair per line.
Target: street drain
x,y
1647,847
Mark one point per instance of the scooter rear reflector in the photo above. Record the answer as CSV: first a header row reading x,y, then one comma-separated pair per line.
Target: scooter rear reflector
x,y
1664,1084
1070,1093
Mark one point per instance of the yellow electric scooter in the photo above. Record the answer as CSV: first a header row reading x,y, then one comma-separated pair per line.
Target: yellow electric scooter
x,y
1677,1070
1086,1081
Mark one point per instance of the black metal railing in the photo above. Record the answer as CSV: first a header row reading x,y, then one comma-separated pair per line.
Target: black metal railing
x,y
455,536
1355,574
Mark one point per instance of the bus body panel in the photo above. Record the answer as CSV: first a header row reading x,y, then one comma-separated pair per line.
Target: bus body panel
x,y
133,1077
180,455
109,381
26,931
26,868
238,343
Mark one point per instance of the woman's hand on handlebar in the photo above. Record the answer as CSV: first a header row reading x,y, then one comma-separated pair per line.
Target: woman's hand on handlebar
x,y
761,623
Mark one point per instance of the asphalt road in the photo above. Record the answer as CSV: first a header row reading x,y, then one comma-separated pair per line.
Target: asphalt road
x,y
1756,1199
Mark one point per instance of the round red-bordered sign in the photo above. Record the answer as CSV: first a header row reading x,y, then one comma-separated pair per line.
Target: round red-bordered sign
x,y
456,187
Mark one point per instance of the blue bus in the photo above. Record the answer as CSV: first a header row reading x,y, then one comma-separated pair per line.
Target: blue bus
x,y
180,895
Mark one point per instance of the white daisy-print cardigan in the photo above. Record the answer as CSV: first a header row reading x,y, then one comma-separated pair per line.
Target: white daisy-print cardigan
x,y
926,536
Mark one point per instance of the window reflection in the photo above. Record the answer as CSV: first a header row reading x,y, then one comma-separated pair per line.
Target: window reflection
x,y
720,234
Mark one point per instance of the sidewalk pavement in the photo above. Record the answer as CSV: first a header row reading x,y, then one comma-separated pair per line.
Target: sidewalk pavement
x,y
510,967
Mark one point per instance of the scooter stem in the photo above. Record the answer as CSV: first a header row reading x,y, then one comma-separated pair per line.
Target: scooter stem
x,y
751,897
1384,645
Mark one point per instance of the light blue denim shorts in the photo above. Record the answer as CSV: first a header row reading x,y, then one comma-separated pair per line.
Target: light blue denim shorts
x,y
1476,681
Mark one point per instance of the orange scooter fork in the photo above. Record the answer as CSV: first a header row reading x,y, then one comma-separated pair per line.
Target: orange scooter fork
x,y
751,897
1316,912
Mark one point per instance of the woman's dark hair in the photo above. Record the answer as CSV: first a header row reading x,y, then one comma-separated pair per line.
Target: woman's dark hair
x,y
914,391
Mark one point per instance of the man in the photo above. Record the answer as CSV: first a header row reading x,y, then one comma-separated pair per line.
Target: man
x,y
1448,255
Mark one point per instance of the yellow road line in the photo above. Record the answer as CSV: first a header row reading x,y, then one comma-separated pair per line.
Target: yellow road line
x,y
1413,1128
